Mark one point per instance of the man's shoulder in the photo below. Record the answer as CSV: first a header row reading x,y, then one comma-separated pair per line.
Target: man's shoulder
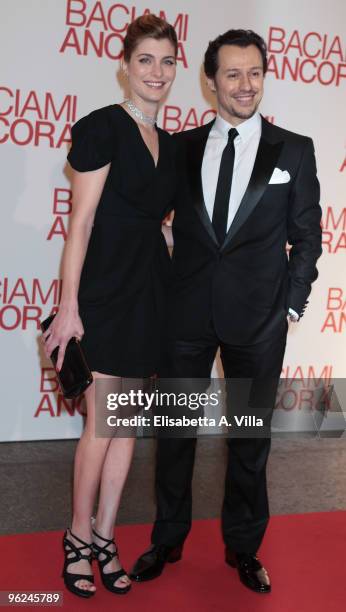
x,y
277,132
195,133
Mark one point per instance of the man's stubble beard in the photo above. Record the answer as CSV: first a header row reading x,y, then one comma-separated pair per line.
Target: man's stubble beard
x,y
243,115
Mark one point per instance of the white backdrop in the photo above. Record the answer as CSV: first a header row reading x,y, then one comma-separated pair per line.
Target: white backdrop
x,y
59,61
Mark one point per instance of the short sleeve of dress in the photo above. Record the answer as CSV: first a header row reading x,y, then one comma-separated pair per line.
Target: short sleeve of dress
x,y
92,141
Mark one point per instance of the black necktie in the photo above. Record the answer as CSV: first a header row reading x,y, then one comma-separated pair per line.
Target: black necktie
x,y
223,189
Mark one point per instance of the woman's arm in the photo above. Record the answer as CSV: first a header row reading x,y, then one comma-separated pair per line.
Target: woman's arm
x,y
87,189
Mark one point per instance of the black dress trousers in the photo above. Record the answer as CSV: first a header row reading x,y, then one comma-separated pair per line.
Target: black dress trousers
x,y
245,510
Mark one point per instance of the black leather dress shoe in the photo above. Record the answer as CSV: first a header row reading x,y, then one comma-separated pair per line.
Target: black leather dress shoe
x,y
152,562
251,571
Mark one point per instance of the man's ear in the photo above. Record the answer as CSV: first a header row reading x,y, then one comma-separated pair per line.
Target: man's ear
x,y
211,84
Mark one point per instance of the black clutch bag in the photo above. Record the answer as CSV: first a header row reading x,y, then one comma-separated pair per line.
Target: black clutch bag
x,y
74,376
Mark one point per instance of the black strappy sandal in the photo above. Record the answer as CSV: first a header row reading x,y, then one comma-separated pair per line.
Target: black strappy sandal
x,y
70,579
109,579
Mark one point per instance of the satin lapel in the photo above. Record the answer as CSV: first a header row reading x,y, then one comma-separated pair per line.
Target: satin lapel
x,y
195,155
266,158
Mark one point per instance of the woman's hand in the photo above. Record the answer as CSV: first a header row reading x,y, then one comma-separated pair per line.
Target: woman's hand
x,y
65,325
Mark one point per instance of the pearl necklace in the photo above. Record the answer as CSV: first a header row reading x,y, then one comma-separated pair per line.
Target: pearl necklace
x,y
139,114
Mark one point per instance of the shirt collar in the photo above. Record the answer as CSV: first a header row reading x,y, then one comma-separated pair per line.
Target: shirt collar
x,y
246,129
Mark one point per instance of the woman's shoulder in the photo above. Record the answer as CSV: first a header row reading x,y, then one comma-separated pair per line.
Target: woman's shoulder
x,y
99,116
93,140
164,133
106,115
166,137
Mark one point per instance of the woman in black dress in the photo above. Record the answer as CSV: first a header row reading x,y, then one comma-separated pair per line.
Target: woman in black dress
x,y
115,271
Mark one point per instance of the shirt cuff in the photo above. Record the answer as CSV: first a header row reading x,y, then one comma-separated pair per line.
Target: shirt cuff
x,y
294,316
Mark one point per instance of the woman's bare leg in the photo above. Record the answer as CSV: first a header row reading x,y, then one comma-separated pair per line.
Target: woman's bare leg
x,y
89,459
114,473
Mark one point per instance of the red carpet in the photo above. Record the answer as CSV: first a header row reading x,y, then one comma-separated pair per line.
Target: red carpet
x,y
305,555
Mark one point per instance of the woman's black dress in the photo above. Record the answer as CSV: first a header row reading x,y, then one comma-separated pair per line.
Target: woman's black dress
x,y
125,276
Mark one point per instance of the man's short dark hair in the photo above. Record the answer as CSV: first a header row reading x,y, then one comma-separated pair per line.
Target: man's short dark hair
x,y
241,38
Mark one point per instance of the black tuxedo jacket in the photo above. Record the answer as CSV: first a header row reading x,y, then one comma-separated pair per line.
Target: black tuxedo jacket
x,y
246,285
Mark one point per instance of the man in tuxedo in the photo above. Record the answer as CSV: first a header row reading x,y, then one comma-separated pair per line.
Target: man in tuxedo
x,y
251,187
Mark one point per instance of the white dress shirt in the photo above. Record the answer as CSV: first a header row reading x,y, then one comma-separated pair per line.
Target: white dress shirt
x,y
245,147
